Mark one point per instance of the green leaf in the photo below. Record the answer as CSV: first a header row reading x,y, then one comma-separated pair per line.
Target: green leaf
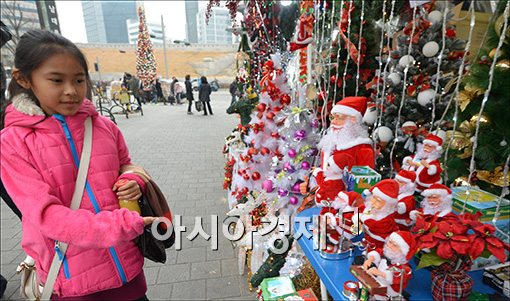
x,y
429,259
486,253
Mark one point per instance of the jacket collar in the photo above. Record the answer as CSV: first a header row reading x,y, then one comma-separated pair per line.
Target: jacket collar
x,y
24,103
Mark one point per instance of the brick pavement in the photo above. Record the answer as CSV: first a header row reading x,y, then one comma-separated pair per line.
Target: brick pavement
x,y
183,154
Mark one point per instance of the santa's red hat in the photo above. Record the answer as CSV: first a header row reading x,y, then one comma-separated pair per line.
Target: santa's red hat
x,y
349,196
406,176
387,190
352,106
339,161
434,140
406,242
438,189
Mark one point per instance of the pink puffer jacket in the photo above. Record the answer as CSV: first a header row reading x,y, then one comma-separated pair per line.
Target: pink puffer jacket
x,y
39,174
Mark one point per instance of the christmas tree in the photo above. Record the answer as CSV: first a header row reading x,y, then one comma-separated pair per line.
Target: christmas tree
x,y
494,125
417,86
145,61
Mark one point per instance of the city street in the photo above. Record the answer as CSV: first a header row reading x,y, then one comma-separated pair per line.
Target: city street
x,y
183,154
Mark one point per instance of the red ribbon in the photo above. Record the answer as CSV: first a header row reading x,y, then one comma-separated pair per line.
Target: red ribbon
x,y
420,26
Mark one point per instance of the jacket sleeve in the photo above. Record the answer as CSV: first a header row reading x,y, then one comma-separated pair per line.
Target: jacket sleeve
x,y
41,207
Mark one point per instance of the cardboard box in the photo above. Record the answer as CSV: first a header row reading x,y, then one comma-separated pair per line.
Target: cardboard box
x,y
478,200
360,178
307,295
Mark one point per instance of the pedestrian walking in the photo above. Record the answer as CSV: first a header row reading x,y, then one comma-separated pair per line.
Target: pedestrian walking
x,y
233,91
159,92
134,87
204,94
189,93
41,144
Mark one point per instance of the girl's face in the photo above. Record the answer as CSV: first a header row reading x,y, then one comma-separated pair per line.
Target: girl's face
x,y
59,84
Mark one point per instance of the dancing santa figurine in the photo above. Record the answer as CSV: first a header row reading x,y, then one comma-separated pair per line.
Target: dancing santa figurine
x,y
406,202
426,162
378,216
438,200
341,224
392,269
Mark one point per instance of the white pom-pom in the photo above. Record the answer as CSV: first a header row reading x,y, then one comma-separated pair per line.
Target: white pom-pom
x,y
430,49
503,143
394,78
435,16
370,117
383,134
406,60
425,97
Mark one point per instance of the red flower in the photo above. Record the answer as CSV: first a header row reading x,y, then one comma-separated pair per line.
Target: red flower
x,y
449,238
450,33
484,236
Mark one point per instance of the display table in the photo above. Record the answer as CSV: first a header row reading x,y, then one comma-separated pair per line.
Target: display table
x,y
333,273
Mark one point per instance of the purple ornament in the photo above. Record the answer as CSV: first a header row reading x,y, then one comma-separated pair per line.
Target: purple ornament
x,y
305,165
315,123
295,187
300,135
292,153
267,185
288,167
282,192
314,151
293,200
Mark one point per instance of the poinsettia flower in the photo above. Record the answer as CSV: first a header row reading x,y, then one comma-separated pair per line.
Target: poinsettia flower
x,y
484,236
424,224
472,220
452,237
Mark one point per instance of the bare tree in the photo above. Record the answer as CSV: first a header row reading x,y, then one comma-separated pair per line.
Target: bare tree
x,y
16,20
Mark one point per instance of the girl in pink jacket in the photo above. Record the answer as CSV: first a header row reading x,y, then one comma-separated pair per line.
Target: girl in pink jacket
x,y
41,145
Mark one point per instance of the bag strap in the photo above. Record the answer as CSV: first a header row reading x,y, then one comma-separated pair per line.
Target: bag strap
x,y
75,204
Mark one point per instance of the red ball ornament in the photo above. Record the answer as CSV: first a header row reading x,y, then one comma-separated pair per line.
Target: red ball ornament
x,y
332,79
270,115
252,151
277,109
411,91
450,33
246,177
285,99
261,107
275,135
265,151
255,176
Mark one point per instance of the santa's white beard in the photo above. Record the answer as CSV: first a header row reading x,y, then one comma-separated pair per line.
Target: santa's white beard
x,y
337,136
428,209
422,155
407,189
393,256
339,205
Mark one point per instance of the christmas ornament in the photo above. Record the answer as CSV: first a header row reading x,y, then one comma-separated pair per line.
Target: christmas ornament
x,y
282,192
295,187
267,185
292,153
430,49
496,177
300,135
370,117
503,143
395,78
285,100
315,123
288,167
484,120
305,165
270,115
265,151
426,97
505,64
409,127
406,61
261,107
492,53
498,26
467,95
293,200
435,16
255,176
383,134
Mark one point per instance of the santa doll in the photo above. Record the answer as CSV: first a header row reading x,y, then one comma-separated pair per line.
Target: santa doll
x,y
437,201
426,162
329,181
341,224
391,268
378,213
406,202
346,135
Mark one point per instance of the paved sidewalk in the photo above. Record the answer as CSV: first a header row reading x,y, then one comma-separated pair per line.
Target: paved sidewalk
x,y
183,154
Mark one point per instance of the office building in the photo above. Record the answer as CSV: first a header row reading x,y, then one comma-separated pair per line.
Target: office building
x,y
191,21
155,31
105,21
20,15
215,32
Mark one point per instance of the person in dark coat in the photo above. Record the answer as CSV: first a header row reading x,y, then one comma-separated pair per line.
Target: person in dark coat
x,y
133,86
189,93
204,95
233,91
159,92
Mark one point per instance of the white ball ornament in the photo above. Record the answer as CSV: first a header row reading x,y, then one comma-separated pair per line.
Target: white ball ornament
x,y
435,16
406,60
383,134
425,97
394,78
430,49
370,117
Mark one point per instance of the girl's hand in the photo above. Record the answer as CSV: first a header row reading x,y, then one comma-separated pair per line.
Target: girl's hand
x,y
147,220
127,190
